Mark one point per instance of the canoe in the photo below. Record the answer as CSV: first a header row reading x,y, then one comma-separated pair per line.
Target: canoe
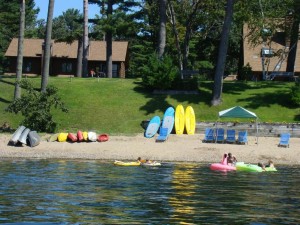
x,y
15,137
253,168
72,137
24,135
92,136
62,137
33,138
85,135
79,135
102,137
121,163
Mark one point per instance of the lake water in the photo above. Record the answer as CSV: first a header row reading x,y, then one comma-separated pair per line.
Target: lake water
x,y
94,192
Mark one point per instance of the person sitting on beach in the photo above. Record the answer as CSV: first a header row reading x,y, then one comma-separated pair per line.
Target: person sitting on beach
x,y
231,159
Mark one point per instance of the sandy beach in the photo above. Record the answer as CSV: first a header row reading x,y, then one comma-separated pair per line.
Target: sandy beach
x,y
178,148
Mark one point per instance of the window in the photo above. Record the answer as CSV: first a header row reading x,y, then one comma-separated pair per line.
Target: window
x,y
27,66
66,67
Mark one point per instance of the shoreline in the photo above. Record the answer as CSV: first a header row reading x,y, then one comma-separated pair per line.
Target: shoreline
x,y
178,148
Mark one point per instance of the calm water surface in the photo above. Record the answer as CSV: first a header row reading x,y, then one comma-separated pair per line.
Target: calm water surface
x,y
93,192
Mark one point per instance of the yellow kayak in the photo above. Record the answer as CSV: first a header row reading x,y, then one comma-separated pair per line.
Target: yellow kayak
x,y
121,163
85,135
62,137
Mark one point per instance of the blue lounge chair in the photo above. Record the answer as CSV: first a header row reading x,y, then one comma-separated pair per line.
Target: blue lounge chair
x,y
209,135
284,140
220,135
230,137
163,134
242,137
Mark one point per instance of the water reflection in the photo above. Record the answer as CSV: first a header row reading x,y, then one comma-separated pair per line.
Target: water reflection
x,y
93,192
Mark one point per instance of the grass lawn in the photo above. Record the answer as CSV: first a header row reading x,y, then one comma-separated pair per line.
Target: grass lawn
x,y
118,106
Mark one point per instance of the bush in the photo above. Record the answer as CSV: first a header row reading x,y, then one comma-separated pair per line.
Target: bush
x,y
159,73
295,94
36,107
246,73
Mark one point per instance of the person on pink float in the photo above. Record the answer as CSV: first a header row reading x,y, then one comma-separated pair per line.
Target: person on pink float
x,y
231,159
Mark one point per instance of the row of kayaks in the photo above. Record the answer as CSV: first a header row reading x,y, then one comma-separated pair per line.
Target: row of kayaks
x,y
24,135
136,163
241,166
80,136
180,118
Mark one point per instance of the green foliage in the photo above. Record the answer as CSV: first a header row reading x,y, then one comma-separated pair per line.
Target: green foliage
x,y
159,73
36,107
295,94
246,73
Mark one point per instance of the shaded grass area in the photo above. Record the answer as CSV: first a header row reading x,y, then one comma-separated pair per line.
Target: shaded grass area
x,y
118,106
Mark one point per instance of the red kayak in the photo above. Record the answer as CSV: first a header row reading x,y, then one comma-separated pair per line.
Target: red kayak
x,y
102,137
80,135
72,137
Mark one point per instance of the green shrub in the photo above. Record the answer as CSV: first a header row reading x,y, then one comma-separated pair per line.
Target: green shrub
x,y
185,84
246,73
159,73
295,94
36,107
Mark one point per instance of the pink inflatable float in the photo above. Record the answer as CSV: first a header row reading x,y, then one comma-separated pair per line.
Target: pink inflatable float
x,y
222,166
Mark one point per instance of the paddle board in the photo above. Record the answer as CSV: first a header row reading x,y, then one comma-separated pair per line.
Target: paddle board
x,y
23,137
168,119
152,127
190,120
179,119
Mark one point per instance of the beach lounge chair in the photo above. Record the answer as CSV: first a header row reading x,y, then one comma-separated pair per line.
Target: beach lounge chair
x,y
209,135
220,135
284,140
242,137
230,137
163,134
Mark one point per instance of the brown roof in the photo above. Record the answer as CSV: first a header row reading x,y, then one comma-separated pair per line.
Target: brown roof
x,y
97,50
252,55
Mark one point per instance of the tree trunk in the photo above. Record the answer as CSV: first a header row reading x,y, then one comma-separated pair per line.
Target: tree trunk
x,y
17,93
177,41
108,38
162,27
47,47
85,40
223,47
290,67
79,58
